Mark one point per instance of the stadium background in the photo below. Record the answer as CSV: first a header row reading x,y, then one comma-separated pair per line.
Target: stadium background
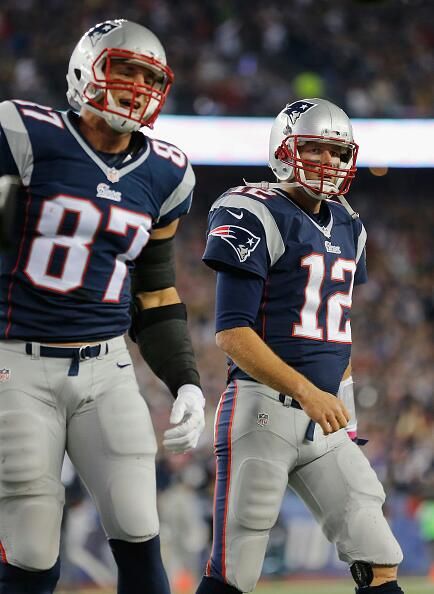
x,y
248,58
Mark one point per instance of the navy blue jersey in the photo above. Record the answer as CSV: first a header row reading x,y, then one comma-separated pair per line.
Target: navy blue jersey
x,y
80,224
308,271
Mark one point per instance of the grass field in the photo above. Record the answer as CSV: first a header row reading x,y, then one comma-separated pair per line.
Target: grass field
x,y
409,585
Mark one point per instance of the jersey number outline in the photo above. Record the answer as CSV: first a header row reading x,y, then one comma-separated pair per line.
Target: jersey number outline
x,y
170,152
308,327
77,246
47,115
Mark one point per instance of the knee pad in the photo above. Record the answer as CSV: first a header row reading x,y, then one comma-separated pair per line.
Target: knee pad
x,y
23,449
132,515
31,499
31,534
366,536
258,492
360,530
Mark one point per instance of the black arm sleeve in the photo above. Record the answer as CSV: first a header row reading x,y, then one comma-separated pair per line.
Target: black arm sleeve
x,y
154,268
165,344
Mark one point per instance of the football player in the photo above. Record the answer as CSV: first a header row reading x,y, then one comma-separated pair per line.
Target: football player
x,y
98,199
287,255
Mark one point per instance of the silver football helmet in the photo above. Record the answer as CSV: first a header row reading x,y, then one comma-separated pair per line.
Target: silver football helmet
x,y
90,82
313,120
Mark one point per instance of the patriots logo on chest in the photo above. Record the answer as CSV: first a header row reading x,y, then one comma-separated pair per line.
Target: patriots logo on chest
x,y
243,241
297,109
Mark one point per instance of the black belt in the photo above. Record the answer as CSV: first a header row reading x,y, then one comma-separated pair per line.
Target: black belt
x,y
295,404
77,354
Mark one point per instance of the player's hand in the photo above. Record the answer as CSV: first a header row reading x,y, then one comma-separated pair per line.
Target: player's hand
x,y
188,416
326,410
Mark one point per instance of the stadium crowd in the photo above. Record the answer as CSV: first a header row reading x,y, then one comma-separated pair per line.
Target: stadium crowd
x,y
245,57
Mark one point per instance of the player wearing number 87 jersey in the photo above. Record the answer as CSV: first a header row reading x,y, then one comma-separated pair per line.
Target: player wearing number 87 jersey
x,y
98,200
287,256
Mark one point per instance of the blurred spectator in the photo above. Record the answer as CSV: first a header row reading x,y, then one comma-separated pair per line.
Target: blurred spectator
x,y
242,58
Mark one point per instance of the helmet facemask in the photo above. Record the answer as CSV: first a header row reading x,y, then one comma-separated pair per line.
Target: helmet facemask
x,y
331,180
143,101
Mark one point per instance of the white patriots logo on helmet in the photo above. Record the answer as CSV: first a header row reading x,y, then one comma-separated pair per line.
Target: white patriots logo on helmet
x,y
243,241
297,109
97,32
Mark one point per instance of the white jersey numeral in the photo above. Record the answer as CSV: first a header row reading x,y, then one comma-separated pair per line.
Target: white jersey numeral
x,y
167,151
120,221
77,246
47,115
309,326
338,301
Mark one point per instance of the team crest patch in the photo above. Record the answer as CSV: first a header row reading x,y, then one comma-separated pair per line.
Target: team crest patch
x,y
97,32
5,375
297,109
104,191
262,419
240,239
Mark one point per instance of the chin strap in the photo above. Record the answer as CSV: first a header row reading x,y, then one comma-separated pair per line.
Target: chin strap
x,y
353,214
264,185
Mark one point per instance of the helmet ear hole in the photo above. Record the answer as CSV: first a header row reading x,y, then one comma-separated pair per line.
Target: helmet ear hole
x,y
77,73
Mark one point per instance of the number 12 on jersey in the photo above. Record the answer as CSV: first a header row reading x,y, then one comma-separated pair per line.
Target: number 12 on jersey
x,y
309,327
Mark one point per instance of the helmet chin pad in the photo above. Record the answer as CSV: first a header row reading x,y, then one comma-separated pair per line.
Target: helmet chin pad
x,y
318,190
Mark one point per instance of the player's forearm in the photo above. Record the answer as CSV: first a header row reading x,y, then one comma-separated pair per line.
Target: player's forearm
x,y
148,299
254,357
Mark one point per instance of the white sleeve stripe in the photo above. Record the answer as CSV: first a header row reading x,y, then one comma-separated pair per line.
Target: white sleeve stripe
x,y
273,237
18,140
361,243
180,193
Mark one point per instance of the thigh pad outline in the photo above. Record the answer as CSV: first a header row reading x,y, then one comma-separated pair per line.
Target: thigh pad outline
x,y
258,492
126,425
23,449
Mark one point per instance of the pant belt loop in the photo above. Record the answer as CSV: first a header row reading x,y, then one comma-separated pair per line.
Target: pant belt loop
x,y
104,350
36,350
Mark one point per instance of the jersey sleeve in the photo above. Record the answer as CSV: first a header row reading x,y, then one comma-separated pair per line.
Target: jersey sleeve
x,y
242,235
236,241
15,151
238,298
178,203
361,275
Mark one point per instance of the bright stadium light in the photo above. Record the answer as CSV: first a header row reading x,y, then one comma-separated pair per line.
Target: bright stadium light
x,y
244,141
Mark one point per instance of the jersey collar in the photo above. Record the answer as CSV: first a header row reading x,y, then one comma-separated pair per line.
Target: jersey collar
x,y
113,174
326,230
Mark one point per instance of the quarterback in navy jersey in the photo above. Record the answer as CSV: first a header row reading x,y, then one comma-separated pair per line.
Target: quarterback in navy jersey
x,y
89,206
287,256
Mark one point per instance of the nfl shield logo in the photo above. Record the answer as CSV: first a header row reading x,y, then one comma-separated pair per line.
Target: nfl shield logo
x,y
5,375
262,419
113,175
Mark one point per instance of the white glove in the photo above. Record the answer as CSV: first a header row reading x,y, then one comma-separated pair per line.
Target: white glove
x,y
188,416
